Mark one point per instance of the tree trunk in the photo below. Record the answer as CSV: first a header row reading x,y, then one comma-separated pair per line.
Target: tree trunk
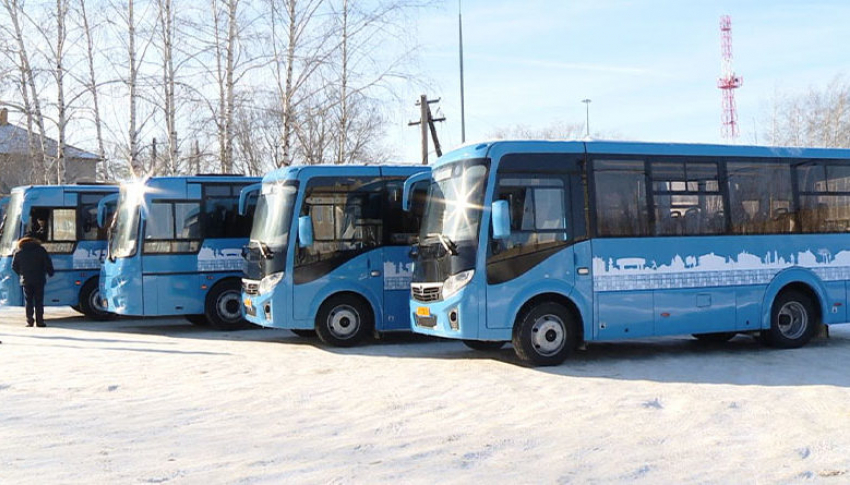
x,y
14,8
133,132
102,172
343,96
168,78
59,75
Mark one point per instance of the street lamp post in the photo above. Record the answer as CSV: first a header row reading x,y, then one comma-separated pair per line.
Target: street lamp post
x,y
586,102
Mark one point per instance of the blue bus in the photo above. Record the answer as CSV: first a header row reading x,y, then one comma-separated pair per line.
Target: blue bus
x,y
552,244
175,249
329,251
64,218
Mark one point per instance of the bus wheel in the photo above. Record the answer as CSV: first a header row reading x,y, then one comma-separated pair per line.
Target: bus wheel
x,y
223,307
484,345
793,321
301,332
545,335
715,338
90,302
199,320
343,320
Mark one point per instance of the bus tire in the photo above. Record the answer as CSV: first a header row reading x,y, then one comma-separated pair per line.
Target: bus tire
x,y
484,345
793,321
545,335
302,332
223,306
90,302
715,337
343,320
199,320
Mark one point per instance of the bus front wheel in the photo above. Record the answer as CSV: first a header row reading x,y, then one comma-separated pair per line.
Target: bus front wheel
x,y
90,302
343,320
793,321
545,335
223,307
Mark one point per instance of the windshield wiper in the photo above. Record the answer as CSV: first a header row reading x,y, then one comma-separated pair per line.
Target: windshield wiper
x,y
447,243
265,251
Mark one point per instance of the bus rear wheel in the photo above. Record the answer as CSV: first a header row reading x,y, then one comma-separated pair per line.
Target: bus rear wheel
x,y
793,321
545,335
484,345
223,307
91,304
343,320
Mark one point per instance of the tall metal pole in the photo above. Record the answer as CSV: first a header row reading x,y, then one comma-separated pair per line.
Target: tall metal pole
x,y
423,125
460,44
587,116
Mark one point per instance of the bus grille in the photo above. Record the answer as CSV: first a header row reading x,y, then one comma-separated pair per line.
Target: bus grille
x,y
426,292
251,287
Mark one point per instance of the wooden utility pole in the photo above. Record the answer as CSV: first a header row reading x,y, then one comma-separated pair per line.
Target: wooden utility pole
x,y
426,123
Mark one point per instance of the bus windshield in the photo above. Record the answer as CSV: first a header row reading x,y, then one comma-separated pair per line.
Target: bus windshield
x,y
11,225
124,235
454,205
273,216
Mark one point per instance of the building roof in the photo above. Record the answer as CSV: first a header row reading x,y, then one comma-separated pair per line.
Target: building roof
x,y
13,141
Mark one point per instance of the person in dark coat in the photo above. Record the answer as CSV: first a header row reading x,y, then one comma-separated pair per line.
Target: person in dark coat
x,y
33,265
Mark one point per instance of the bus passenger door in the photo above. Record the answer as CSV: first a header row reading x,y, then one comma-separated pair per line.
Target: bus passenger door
x,y
401,229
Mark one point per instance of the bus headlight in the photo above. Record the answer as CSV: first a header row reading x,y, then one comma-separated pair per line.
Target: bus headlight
x,y
269,282
454,283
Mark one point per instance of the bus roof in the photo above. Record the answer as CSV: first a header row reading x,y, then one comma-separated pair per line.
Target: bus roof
x,y
493,149
67,188
291,173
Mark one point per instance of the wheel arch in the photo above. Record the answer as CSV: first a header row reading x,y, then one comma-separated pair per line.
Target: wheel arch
x,y
227,279
556,297
376,311
796,279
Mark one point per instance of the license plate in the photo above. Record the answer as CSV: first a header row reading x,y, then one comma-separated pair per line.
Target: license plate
x,y
423,311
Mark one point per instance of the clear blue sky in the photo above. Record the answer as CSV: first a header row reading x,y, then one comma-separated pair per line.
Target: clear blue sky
x,y
650,67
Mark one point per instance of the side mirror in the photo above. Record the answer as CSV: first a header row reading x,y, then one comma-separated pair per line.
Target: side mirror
x,y
245,194
406,197
414,251
501,216
305,231
102,206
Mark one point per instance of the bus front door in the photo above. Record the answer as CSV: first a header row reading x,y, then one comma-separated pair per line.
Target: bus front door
x,y
397,272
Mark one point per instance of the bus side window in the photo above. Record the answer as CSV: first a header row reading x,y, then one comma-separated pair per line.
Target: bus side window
x,y
537,204
621,202
345,214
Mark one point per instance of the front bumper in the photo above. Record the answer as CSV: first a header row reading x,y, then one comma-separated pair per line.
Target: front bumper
x,y
455,317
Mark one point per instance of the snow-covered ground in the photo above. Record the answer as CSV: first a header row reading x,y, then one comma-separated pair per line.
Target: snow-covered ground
x,y
160,401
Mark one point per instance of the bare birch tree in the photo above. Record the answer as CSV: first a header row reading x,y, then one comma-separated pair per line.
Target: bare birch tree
x,y
226,32
38,149
167,37
58,70
297,57
362,29
90,83
818,118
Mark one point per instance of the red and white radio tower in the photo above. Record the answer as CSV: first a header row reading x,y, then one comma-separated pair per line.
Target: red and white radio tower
x,y
728,82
